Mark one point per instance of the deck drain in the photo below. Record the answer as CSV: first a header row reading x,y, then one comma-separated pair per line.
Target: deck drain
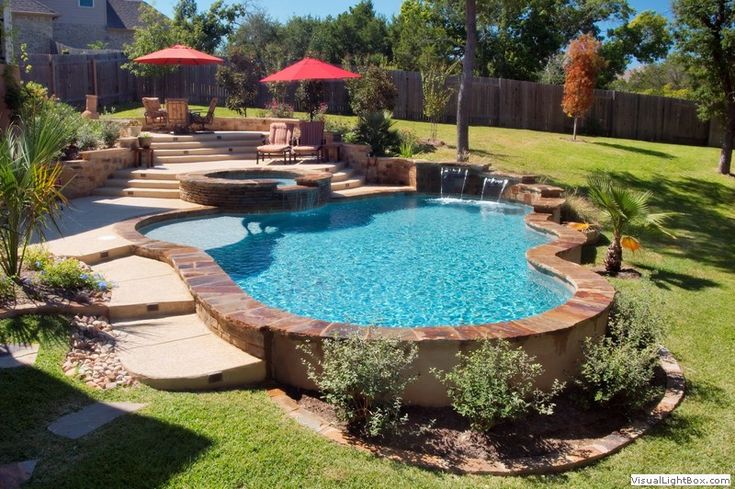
x,y
104,254
151,307
212,378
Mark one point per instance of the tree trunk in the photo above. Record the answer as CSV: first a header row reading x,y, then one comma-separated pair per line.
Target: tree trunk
x,y
465,83
574,131
614,257
727,140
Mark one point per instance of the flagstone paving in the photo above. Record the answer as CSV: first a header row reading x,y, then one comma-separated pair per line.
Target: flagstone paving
x,y
12,356
92,417
12,476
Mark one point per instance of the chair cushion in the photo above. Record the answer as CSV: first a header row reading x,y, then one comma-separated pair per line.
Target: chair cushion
x,y
306,149
273,148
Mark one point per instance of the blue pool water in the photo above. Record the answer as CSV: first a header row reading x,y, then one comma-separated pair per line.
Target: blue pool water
x,y
391,261
281,181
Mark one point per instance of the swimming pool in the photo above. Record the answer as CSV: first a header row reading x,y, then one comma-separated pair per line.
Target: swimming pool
x,y
398,261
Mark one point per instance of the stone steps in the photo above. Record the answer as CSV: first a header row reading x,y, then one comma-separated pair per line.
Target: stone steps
x,y
225,149
348,184
143,183
157,193
242,155
208,137
143,288
144,174
180,353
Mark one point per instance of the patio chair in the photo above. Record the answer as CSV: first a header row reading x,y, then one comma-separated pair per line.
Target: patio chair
x,y
197,118
279,142
311,140
178,115
155,116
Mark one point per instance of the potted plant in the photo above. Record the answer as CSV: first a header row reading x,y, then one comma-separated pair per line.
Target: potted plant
x,y
134,128
145,139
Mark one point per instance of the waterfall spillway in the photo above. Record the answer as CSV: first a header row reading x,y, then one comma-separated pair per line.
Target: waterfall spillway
x,y
451,177
493,182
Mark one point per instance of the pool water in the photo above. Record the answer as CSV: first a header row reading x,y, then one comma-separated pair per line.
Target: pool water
x,y
400,261
281,181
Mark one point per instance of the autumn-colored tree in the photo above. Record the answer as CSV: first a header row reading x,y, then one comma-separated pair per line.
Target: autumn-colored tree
x,y
582,65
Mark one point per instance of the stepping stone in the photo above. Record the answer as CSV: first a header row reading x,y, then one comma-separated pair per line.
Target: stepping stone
x,y
76,425
12,356
180,353
12,476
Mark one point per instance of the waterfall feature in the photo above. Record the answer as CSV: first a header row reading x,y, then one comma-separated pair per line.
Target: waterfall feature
x,y
450,176
494,182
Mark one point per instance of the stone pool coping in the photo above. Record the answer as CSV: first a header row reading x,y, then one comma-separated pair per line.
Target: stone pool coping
x,y
245,322
580,456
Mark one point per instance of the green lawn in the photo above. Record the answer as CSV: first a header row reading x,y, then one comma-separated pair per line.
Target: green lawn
x,y
238,439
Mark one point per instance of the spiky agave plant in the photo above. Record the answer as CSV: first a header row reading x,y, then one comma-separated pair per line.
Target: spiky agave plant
x,y
30,195
624,210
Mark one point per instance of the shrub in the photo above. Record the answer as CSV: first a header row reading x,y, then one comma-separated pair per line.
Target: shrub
x,y
495,383
409,144
88,137
7,289
109,132
363,379
577,208
373,92
71,275
437,94
376,130
280,109
37,258
618,368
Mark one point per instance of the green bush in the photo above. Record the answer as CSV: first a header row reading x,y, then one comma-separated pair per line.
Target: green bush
x,y
37,258
494,383
376,130
618,368
7,289
373,92
109,132
71,275
87,137
364,380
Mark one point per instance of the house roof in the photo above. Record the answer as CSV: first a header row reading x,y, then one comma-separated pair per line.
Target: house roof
x,y
123,14
30,7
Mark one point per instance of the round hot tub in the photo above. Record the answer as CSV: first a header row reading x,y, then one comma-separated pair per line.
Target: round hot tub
x,y
257,189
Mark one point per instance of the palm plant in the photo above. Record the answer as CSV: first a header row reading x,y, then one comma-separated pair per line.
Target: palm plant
x,y
30,196
624,210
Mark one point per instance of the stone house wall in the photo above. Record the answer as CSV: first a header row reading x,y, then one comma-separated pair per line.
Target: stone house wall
x,y
35,31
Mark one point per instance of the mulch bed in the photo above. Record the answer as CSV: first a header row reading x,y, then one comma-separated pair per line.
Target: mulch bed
x,y
440,432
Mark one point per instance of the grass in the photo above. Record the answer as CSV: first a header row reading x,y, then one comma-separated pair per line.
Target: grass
x,y
237,438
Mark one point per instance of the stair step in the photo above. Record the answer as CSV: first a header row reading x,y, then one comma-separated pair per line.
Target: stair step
x,y
209,137
249,155
144,174
143,287
346,184
205,151
180,353
159,193
341,176
143,183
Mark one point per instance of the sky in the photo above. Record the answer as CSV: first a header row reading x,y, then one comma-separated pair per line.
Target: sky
x,y
284,9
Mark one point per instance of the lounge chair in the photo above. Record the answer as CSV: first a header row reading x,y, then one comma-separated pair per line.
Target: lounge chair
x,y
196,117
279,142
178,114
311,140
155,116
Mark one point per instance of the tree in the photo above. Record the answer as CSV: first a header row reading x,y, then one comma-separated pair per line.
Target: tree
x,y
373,92
436,92
667,78
204,31
310,96
583,63
465,82
239,77
29,175
704,35
624,210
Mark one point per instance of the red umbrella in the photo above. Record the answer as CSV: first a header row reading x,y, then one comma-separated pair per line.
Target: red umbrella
x,y
179,55
310,69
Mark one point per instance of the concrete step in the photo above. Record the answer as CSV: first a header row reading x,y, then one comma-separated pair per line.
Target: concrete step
x,y
341,176
245,155
143,183
371,190
155,193
239,148
348,184
208,137
180,353
254,142
143,288
144,174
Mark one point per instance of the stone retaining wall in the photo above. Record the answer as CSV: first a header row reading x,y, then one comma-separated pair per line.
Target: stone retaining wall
x,y
81,177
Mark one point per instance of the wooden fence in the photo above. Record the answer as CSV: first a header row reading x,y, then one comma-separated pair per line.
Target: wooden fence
x,y
495,102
